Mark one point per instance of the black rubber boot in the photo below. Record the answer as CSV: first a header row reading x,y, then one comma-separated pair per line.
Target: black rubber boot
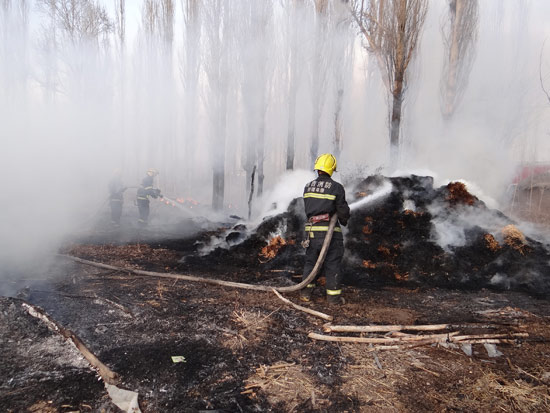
x,y
305,293
335,300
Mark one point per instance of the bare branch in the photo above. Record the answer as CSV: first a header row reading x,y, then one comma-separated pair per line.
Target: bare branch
x,y
459,32
392,29
540,73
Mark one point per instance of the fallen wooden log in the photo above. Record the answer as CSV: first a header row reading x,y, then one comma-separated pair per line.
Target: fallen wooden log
x,y
486,341
304,309
409,341
489,336
433,338
109,376
328,328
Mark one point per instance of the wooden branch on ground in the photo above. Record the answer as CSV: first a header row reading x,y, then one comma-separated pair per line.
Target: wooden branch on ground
x,y
486,341
329,328
388,343
304,309
489,336
421,367
433,338
109,376
382,328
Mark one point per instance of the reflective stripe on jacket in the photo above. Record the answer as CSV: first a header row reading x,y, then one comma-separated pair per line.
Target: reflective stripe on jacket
x,y
325,196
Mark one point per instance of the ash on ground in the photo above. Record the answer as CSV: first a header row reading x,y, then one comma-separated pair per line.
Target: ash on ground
x,y
247,351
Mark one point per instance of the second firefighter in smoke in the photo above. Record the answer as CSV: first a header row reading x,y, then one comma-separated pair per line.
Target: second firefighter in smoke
x,y
144,192
116,197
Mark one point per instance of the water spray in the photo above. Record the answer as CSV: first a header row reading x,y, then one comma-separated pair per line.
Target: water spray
x,y
174,203
381,192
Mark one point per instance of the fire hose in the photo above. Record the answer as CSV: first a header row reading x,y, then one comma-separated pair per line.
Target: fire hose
x,y
287,289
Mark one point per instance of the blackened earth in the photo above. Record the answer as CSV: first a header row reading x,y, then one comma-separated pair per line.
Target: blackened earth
x,y
248,351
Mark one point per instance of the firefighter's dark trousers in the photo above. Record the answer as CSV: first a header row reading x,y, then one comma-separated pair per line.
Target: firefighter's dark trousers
x,y
116,210
331,266
143,208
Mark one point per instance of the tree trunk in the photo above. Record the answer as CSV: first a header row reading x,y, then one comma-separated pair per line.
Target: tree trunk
x,y
338,124
261,139
450,96
397,103
251,179
291,128
314,148
292,90
218,149
218,186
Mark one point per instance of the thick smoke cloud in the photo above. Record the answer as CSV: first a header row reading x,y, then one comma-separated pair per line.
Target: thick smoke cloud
x,y
75,105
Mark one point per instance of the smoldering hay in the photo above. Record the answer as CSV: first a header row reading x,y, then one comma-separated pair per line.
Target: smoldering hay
x,y
409,233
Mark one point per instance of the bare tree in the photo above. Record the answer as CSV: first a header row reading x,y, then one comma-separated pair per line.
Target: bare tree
x,y
80,19
120,42
544,88
294,10
319,70
391,29
190,64
158,21
459,37
256,68
78,34
14,22
157,28
217,31
120,22
342,65
48,50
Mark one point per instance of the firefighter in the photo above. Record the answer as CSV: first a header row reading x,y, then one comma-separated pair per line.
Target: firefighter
x,y
145,191
116,197
322,198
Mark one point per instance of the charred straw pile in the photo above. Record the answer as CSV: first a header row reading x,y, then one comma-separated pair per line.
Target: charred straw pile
x,y
417,235
443,236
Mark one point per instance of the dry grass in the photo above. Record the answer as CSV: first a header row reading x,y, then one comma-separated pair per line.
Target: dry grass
x,y
458,194
491,243
513,237
286,383
506,395
371,381
252,326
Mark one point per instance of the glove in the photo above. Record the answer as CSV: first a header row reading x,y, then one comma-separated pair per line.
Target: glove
x,y
157,193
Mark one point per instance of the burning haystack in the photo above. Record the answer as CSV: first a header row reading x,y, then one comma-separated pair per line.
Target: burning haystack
x,y
416,235
442,236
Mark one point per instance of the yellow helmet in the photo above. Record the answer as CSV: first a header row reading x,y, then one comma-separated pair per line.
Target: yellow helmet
x,y
152,172
326,163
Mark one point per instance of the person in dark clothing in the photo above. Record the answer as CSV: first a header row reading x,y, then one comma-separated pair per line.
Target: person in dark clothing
x,y
116,197
145,191
324,197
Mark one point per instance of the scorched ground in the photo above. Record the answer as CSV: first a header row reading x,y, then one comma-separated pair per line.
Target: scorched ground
x,y
248,351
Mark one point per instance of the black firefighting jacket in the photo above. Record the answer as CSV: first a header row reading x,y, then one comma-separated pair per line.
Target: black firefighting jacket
x,y
116,189
325,196
146,189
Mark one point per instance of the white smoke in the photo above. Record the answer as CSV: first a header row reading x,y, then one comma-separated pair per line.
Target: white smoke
x,y
290,186
72,110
